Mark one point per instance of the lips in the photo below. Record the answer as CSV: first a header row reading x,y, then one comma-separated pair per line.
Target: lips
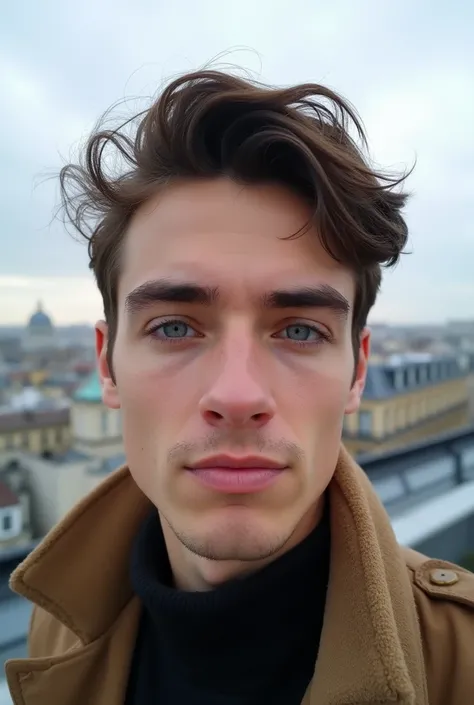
x,y
233,475
234,463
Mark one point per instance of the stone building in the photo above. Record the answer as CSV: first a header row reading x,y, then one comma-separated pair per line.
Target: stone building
x,y
410,398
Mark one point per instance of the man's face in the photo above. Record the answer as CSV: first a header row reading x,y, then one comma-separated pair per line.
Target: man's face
x,y
233,346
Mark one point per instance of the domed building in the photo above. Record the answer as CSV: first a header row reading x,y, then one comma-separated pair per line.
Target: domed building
x,y
40,333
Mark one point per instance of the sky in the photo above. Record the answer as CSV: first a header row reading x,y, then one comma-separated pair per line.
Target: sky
x,y
408,67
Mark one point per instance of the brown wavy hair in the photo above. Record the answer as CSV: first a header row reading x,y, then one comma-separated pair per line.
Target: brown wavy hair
x,y
208,124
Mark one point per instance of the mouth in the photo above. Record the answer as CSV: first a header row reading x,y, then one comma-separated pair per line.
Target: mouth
x,y
232,475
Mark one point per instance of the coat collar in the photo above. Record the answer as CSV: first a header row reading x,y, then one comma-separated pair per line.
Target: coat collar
x,y
370,649
87,553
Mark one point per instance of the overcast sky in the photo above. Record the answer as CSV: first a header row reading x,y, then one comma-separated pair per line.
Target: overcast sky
x,y
408,66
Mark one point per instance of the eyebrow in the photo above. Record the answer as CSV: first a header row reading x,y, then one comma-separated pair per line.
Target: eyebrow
x,y
323,296
167,291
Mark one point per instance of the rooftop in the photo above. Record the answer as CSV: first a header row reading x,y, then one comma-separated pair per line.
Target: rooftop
x,y
26,420
400,375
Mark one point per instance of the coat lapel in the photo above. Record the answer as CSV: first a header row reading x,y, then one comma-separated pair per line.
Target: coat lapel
x,y
96,674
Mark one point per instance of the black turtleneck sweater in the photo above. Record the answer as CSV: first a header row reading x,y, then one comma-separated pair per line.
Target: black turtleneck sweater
x,y
250,641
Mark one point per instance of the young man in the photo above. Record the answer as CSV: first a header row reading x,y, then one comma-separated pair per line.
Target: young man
x,y
241,557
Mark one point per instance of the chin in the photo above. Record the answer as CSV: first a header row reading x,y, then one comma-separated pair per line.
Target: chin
x,y
235,538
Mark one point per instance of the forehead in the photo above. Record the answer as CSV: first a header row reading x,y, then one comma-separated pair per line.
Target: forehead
x,y
228,235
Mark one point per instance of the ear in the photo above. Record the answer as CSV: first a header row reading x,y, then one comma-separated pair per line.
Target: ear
x,y
355,394
110,395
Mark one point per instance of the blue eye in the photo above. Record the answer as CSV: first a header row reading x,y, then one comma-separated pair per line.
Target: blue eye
x,y
298,332
173,330
302,333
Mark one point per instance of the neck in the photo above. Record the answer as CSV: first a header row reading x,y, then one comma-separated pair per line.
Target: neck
x,y
233,643
192,572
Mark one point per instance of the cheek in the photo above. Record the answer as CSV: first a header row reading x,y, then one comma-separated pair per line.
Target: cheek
x,y
154,393
313,407
319,390
322,403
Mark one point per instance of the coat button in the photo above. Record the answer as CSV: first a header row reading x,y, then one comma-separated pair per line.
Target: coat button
x,y
443,577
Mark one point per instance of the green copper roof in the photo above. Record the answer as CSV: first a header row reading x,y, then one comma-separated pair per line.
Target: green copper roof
x,y
90,391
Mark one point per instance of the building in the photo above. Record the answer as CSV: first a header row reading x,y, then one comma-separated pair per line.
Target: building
x,y
409,398
62,476
36,426
40,333
15,503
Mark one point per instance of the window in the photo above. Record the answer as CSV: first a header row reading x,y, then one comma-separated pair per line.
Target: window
x,y
7,522
365,423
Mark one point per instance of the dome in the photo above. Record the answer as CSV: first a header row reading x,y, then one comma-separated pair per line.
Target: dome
x,y
40,320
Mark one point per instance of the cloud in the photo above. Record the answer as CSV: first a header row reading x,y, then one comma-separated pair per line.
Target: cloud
x,y
406,66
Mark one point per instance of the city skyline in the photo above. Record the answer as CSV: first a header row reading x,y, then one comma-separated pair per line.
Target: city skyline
x,y
416,100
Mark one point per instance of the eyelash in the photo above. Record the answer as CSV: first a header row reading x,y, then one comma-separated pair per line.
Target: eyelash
x,y
324,336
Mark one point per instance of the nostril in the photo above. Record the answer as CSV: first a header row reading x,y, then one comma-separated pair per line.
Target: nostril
x,y
234,416
214,415
260,419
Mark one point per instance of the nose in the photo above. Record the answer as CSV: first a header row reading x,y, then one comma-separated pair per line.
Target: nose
x,y
238,396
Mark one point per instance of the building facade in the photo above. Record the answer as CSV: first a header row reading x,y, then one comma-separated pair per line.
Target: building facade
x,y
411,398
42,431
